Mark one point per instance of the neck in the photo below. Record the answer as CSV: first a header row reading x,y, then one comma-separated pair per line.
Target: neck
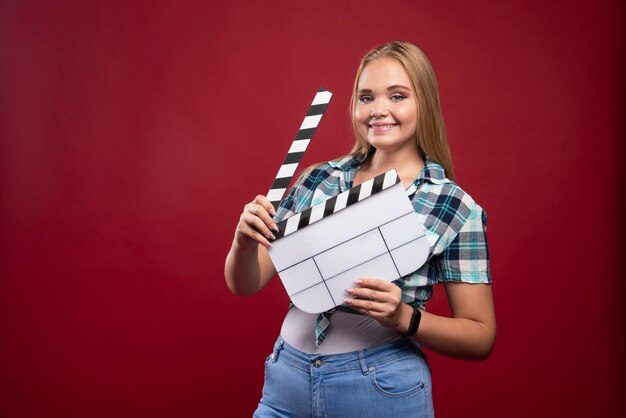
x,y
408,163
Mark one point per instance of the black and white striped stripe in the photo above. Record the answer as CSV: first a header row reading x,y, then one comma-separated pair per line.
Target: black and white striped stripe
x,y
299,145
337,203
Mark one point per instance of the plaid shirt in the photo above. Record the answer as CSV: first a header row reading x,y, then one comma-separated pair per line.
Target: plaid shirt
x,y
455,224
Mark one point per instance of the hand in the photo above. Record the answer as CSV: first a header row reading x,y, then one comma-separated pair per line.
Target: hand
x,y
379,299
256,224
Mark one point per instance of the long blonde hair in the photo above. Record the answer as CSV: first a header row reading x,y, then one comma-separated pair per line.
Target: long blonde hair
x,y
430,135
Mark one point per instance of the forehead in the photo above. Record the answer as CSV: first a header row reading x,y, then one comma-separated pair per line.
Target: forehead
x,y
383,72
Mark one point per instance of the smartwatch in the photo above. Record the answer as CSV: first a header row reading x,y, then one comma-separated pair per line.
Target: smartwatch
x,y
415,322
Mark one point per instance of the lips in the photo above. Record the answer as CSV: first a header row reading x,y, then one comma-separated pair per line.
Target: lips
x,y
382,127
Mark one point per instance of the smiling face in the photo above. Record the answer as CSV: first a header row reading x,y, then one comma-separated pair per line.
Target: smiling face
x,y
385,107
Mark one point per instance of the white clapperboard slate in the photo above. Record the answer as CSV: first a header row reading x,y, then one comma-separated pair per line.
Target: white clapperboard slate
x,y
369,231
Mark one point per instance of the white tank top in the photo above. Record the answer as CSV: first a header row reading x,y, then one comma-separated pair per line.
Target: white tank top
x,y
347,332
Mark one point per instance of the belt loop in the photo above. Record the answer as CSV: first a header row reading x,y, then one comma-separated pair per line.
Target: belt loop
x,y
277,349
362,362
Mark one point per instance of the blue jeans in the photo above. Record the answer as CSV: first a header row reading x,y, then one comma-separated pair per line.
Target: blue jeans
x,y
385,381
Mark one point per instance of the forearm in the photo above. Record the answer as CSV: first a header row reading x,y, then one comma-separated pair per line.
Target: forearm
x,y
248,267
461,338
242,270
469,333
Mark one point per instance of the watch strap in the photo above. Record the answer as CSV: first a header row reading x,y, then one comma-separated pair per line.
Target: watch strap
x,y
415,322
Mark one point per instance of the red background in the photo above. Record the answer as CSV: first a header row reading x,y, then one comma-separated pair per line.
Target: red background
x,y
133,132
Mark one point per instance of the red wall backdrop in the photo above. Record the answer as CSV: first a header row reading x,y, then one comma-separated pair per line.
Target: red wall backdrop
x,y
133,132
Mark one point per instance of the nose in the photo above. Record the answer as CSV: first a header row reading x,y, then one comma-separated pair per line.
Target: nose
x,y
379,112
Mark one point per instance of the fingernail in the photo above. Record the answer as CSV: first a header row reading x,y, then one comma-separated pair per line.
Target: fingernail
x,y
270,236
272,212
347,301
274,227
359,282
350,291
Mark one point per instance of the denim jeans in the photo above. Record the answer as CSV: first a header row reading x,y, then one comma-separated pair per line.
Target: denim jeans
x,y
391,380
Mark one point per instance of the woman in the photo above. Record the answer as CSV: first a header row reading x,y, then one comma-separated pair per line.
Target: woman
x,y
365,359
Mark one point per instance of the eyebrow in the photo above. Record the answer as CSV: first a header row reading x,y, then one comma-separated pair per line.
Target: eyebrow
x,y
394,87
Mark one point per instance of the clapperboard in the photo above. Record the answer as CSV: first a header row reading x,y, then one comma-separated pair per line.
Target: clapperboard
x,y
368,231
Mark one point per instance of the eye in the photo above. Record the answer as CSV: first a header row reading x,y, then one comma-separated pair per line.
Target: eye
x,y
365,99
398,97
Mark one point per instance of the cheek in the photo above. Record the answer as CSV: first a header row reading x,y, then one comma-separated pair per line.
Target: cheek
x,y
360,116
407,114
362,120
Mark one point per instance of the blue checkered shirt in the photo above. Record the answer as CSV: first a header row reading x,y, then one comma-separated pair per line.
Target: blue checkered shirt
x,y
455,224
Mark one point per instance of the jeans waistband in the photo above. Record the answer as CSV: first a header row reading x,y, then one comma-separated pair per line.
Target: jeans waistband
x,y
363,359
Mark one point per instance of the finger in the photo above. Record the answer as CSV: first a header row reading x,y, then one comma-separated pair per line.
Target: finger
x,y
261,239
267,205
383,300
257,225
367,294
245,234
248,231
261,212
364,305
377,284
377,289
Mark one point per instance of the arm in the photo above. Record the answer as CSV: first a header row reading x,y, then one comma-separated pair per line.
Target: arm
x,y
469,334
471,330
248,267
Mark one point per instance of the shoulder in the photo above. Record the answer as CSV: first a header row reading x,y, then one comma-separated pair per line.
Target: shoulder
x,y
434,189
445,206
445,197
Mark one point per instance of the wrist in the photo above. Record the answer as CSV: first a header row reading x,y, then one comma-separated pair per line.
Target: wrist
x,y
412,324
404,319
244,245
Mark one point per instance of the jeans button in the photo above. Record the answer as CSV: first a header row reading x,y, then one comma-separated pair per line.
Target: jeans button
x,y
317,363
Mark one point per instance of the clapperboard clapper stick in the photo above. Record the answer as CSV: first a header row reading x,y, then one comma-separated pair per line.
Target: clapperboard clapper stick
x,y
370,231
298,146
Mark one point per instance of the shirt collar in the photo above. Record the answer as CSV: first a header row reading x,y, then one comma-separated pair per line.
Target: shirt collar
x,y
432,172
348,162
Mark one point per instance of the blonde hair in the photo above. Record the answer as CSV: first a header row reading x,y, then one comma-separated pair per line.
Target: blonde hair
x,y
430,135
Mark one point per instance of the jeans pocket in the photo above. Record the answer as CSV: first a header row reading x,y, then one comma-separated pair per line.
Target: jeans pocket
x,y
270,359
401,377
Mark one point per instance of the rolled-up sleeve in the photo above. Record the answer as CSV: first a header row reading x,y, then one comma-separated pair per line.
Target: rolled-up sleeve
x,y
466,259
